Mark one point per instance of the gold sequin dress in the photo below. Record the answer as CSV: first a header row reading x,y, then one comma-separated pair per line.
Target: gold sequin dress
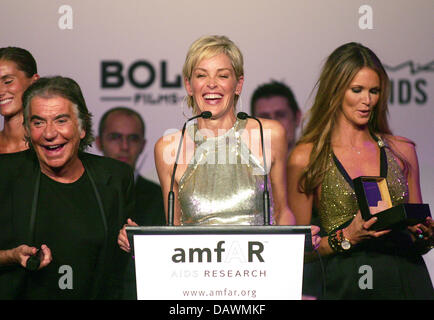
x,y
338,203
223,183
385,268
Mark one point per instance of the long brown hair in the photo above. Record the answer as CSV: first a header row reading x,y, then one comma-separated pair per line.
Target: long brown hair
x,y
338,72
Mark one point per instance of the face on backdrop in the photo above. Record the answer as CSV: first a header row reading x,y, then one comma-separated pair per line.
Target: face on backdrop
x,y
122,138
54,132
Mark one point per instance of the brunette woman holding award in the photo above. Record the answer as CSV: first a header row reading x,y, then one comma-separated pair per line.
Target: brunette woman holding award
x,y
347,136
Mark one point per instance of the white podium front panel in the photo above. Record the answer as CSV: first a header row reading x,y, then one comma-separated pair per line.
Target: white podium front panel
x,y
219,266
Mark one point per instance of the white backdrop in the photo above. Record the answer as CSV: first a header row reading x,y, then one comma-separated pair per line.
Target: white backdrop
x,y
282,40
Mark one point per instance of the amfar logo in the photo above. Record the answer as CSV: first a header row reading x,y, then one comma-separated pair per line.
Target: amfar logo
x,y
140,75
235,251
404,91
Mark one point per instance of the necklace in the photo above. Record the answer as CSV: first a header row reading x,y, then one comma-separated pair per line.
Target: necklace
x,y
355,150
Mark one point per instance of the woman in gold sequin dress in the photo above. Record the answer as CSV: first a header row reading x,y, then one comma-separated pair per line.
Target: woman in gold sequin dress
x,y
220,173
347,136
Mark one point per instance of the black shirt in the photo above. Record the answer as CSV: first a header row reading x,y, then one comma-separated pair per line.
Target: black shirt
x,y
69,222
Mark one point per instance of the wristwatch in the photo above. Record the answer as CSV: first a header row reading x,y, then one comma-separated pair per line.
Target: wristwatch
x,y
338,242
345,243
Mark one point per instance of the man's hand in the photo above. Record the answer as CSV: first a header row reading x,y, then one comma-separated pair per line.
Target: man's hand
x,y
22,253
122,237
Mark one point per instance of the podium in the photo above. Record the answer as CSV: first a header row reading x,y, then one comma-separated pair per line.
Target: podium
x,y
219,262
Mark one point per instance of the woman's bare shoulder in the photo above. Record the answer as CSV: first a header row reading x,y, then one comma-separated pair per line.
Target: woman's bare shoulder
x,y
270,127
168,138
268,123
166,146
300,155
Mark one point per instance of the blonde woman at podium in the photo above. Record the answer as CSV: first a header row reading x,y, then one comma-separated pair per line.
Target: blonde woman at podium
x,y
219,176
220,173
347,136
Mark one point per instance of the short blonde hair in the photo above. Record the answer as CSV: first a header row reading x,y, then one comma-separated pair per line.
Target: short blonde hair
x,y
207,47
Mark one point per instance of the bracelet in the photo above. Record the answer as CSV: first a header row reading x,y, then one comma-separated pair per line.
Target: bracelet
x,y
334,241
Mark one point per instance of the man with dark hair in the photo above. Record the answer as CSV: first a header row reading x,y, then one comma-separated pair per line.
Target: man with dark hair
x,y
60,206
122,137
276,101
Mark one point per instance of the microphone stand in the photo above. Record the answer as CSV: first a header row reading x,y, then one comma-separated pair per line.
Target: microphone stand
x,y
171,197
266,195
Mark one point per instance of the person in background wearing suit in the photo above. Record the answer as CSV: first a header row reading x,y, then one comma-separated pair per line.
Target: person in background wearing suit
x,y
122,137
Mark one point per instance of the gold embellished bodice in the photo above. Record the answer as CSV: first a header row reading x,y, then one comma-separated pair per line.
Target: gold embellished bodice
x,y
338,202
224,181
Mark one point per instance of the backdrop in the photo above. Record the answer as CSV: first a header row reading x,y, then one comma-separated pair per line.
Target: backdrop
x,y
131,53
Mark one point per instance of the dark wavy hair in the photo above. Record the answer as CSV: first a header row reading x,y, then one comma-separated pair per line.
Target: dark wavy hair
x,y
48,87
22,58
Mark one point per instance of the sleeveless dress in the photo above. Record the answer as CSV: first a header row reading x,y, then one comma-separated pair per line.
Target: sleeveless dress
x,y
223,183
385,268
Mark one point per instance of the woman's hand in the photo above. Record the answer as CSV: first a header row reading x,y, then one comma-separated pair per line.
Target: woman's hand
x,y
423,231
122,237
316,239
358,230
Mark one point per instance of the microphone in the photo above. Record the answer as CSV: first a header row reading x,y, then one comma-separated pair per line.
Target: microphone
x,y
266,195
171,197
34,261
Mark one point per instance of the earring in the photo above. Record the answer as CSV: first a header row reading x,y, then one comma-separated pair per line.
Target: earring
x,y
240,103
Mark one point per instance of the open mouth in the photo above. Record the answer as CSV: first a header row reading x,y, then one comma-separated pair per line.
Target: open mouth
x,y
5,101
365,113
212,98
54,148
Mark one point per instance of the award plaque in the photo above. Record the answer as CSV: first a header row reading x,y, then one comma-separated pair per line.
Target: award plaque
x,y
374,199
